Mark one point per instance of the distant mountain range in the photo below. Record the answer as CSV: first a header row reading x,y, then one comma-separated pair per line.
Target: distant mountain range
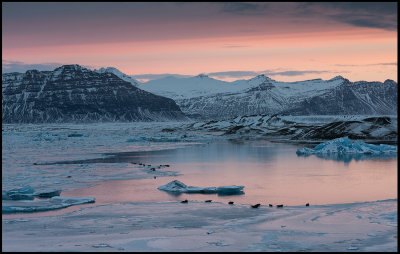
x,y
203,97
72,93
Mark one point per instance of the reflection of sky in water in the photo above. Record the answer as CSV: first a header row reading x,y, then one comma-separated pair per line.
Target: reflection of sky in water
x,y
270,172
346,158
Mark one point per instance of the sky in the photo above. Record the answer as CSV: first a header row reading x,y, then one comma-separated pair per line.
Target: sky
x,y
225,40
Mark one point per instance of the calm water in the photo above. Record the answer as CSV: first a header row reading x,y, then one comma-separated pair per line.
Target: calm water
x,y
271,173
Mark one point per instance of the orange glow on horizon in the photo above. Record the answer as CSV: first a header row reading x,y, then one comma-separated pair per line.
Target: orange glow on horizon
x,y
296,51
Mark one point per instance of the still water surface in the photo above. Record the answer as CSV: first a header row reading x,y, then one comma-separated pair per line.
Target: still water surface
x,y
272,173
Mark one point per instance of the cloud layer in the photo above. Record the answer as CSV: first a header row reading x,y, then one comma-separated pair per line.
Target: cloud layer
x,y
294,39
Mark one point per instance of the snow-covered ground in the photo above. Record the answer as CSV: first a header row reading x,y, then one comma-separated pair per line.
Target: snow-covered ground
x,y
199,226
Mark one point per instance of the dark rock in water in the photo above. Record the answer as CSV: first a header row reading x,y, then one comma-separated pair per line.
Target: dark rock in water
x,y
184,201
75,135
72,93
270,205
208,201
279,206
168,130
153,169
230,202
255,206
47,194
307,204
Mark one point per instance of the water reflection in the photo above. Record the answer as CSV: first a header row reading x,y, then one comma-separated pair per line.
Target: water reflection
x,y
271,173
347,158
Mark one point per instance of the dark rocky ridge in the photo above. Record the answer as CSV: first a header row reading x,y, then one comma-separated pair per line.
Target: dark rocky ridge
x,y
72,93
380,129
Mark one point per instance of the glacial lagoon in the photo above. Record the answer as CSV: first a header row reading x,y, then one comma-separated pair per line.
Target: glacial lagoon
x,y
102,161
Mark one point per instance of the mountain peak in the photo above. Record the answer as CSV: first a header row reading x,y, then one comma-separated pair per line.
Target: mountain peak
x,y
32,72
261,77
389,81
339,77
202,75
108,69
70,67
118,73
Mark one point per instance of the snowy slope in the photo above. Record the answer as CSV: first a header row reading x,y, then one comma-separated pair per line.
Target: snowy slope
x,y
119,74
260,95
183,88
202,85
202,97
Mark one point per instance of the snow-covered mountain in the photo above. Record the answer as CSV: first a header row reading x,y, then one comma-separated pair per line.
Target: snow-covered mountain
x,y
184,88
119,74
366,98
72,93
207,98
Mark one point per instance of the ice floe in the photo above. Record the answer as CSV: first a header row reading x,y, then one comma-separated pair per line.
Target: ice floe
x,y
28,193
346,146
179,187
43,205
173,227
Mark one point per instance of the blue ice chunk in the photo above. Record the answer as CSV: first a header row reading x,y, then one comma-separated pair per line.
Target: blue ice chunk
x,y
346,146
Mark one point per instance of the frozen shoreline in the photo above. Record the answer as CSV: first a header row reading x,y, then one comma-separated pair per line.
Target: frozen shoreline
x,y
164,226
199,226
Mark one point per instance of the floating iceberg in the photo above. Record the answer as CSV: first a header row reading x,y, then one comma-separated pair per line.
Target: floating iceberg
x,y
28,193
342,146
179,187
47,194
24,193
43,205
